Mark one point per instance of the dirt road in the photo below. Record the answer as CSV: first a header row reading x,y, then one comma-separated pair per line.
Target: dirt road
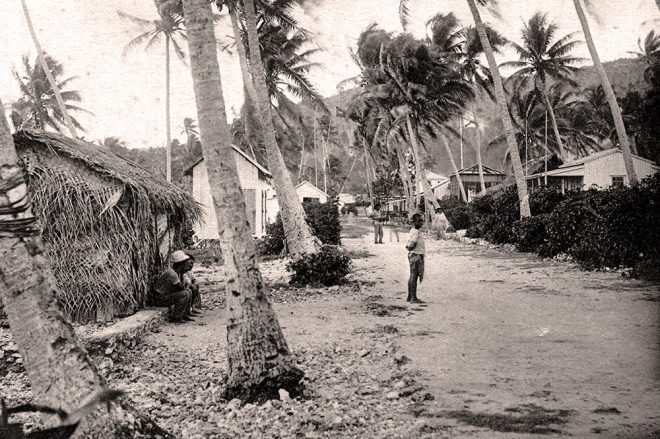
x,y
507,346
508,333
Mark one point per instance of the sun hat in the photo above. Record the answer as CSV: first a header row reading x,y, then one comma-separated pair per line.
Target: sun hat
x,y
178,256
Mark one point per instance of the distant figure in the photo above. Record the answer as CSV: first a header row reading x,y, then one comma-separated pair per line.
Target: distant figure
x,y
416,253
394,224
170,290
378,218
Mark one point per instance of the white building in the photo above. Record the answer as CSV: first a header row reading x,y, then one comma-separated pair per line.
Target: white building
x,y
255,182
601,169
307,193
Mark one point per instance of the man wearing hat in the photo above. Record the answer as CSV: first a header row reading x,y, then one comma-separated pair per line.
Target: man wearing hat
x,y
169,290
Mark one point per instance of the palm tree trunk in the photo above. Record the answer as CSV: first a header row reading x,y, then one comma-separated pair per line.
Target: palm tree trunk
x,y
609,93
518,173
168,127
480,165
49,75
405,179
299,237
60,372
250,92
459,181
429,196
366,168
302,156
553,122
258,356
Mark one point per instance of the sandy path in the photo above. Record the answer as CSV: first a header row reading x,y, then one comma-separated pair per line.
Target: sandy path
x,y
501,330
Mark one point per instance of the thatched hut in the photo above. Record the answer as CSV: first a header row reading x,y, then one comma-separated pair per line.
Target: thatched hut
x,y
106,222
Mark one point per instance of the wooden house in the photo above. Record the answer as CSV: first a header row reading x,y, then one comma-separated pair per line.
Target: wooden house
x,y
471,182
601,169
255,182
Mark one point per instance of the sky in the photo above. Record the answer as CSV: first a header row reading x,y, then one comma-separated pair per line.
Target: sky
x,y
126,93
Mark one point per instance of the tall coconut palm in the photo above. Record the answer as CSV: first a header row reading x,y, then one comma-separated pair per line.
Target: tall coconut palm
x,y
51,80
463,47
624,142
426,92
258,356
170,28
519,175
38,106
542,57
60,372
299,237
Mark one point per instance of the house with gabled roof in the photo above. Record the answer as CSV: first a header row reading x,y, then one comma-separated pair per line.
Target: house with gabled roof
x,y
255,181
471,182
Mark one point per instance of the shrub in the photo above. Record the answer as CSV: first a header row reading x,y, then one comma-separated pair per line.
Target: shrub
x,y
531,233
493,216
456,211
328,267
323,219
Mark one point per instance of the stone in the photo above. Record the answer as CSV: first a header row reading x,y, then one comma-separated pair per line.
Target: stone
x,y
284,395
392,395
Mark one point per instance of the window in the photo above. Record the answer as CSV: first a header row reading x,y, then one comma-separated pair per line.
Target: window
x,y
310,200
617,181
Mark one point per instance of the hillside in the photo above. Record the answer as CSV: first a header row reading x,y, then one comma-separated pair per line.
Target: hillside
x,y
626,75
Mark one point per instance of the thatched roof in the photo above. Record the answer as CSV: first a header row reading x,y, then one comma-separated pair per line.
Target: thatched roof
x,y
163,196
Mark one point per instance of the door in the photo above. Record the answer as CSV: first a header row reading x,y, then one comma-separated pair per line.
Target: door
x,y
251,208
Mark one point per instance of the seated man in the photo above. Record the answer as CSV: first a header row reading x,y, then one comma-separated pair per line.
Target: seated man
x,y
169,290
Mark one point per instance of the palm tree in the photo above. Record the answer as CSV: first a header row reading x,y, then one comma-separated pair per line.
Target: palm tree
x,y
170,27
649,53
609,93
38,106
519,175
258,356
49,76
299,237
60,372
426,93
191,131
463,47
543,58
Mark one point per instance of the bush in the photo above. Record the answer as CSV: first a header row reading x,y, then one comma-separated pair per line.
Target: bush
x,y
456,211
531,233
323,219
328,267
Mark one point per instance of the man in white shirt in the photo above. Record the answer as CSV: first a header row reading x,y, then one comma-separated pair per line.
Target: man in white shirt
x,y
416,253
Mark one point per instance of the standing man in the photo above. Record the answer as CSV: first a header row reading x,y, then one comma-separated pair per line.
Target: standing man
x,y
169,289
416,253
378,218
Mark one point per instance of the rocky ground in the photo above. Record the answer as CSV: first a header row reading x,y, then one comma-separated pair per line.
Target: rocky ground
x,y
507,345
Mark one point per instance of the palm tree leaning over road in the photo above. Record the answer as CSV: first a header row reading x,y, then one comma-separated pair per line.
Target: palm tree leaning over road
x,y
258,356
170,27
38,106
624,142
543,58
51,80
300,240
503,109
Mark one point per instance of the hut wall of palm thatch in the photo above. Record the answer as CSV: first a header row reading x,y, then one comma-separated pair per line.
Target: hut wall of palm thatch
x,y
104,222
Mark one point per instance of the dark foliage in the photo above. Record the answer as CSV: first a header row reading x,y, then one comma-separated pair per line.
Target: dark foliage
x,y
617,227
328,267
456,211
323,219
